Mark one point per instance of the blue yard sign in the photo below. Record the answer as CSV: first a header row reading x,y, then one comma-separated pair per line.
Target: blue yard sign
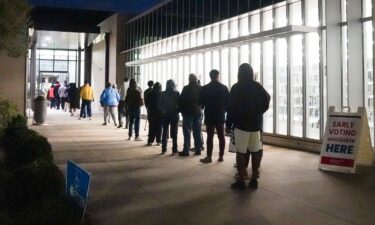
x,y
77,184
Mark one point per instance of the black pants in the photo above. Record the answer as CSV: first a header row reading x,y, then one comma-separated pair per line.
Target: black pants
x,y
172,120
210,128
154,131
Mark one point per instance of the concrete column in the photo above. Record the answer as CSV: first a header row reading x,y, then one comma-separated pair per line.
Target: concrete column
x,y
107,46
88,60
334,78
355,54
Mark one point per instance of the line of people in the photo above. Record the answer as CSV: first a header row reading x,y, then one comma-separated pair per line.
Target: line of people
x,y
240,110
65,96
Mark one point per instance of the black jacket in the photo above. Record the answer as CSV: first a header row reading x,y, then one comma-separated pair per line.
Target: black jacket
x,y
247,103
154,102
134,98
169,102
146,95
189,102
214,98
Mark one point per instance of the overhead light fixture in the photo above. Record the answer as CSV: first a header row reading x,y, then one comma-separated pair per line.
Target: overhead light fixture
x,y
44,45
48,38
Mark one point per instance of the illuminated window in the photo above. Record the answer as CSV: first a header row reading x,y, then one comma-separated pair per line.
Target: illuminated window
x,y
267,20
268,83
312,13
233,66
369,75
224,70
216,33
255,24
281,17
281,86
234,28
244,26
207,67
244,54
295,13
224,29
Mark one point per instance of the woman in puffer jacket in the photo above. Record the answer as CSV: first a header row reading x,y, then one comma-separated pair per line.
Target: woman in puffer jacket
x,y
109,99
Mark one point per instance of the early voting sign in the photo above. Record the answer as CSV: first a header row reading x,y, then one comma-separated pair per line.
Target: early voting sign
x,y
77,184
346,139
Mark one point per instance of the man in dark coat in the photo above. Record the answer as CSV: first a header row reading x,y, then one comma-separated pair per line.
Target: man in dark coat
x,y
248,101
134,101
214,98
154,114
191,110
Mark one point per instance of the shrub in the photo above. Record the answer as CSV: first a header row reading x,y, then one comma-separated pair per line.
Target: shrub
x,y
23,146
8,110
32,184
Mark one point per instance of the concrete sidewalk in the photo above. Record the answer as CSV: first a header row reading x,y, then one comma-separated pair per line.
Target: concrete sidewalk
x,y
135,185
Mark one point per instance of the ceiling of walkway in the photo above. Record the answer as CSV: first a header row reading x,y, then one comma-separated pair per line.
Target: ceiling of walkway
x,y
60,40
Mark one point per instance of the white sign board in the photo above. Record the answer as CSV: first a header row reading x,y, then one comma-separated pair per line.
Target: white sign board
x,y
343,140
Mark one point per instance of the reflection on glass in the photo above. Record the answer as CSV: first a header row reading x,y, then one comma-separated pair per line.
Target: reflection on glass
x,y
268,83
281,86
224,70
369,75
255,60
313,87
296,98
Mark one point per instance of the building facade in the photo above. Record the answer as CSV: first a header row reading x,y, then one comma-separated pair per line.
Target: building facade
x,y
308,54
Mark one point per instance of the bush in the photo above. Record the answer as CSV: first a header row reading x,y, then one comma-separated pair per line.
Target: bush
x,y
8,110
32,184
23,146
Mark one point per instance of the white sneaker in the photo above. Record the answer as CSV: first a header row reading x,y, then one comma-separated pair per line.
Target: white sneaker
x,y
90,118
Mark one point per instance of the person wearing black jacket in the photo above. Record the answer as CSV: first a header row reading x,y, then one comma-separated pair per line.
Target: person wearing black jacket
x,y
134,101
147,92
56,94
154,114
214,98
73,98
248,101
170,110
191,110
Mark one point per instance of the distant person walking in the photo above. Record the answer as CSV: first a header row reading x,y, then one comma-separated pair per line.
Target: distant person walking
x,y
146,94
154,115
87,95
56,94
73,98
63,95
109,99
51,96
191,110
214,98
248,100
122,108
134,101
170,117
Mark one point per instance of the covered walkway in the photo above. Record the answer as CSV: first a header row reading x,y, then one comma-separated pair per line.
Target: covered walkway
x,y
135,185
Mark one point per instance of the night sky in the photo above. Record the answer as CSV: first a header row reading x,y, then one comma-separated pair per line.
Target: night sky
x,y
125,6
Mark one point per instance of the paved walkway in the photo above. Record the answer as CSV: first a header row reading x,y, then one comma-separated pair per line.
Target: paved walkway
x,y
135,185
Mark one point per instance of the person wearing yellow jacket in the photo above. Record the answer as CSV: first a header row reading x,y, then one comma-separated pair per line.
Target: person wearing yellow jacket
x,y
87,95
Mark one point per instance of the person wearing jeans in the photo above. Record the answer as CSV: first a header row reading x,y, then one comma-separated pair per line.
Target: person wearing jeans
x,y
214,98
134,101
191,110
109,99
87,95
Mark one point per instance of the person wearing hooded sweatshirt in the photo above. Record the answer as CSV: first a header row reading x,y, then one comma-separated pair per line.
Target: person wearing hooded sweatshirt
x,y
122,111
248,101
109,99
134,101
191,110
154,114
73,98
170,117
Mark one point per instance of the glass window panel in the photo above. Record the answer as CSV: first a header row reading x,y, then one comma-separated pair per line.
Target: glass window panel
x,y
223,8
207,67
215,10
344,69
166,72
267,20
72,71
255,60
61,66
255,24
244,54
243,6
175,44
281,20
193,39
181,75
268,83
164,47
244,26
369,75
233,66
46,54
281,86
312,13
193,64
193,14
207,12
367,8
233,8
186,41
216,33
186,69
216,60
160,72
234,28
200,38
200,67
175,70
224,31
200,13
73,55
169,45
224,70
254,4
312,87
295,13
186,14
296,98
181,42
343,10
207,35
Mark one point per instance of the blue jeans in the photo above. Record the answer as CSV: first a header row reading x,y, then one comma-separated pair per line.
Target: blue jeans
x,y
192,123
134,119
86,106
172,120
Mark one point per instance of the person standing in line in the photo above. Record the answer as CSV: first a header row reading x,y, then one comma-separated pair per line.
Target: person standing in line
x,y
248,101
73,98
154,115
170,110
56,94
63,95
214,98
109,99
146,94
134,101
191,110
122,111
87,95
51,96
